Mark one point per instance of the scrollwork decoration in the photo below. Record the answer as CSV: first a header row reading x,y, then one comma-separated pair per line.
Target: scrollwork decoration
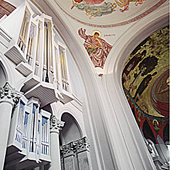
x,y
55,124
10,93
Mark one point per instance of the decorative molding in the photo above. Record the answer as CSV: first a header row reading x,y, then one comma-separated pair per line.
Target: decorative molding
x,y
67,150
82,145
5,39
138,17
9,94
55,124
73,148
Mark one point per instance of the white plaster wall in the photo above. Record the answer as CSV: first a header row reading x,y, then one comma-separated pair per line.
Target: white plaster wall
x,y
102,154
14,78
112,131
59,109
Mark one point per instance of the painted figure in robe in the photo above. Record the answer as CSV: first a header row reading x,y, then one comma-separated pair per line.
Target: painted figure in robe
x,y
97,48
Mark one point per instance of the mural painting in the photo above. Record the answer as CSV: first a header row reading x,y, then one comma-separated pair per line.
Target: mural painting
x,y
97,48
146,82
96,8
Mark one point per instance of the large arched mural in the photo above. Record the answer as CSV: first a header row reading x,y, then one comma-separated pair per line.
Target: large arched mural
x,y
146,81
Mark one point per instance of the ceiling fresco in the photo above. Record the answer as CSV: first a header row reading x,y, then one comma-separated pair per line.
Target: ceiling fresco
x,y
107,13
146,84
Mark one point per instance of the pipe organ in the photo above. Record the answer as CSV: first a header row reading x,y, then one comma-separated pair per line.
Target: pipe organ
x,y
35,49
23,32
30,129
41,59
63,69
30,45
48,53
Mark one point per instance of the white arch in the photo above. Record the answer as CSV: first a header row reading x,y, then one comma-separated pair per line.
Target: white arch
x,y
104,129
72,126
132,37
76,114
14,78
112,80
6,69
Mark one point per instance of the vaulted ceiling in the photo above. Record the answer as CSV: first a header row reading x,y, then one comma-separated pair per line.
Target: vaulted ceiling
x,y
111,18
5,8
107,13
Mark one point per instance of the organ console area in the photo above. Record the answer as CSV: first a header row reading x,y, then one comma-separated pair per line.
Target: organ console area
x,y
36,55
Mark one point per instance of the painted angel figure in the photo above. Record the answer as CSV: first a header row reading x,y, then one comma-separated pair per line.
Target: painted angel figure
x,y
98,8
97,48
94,8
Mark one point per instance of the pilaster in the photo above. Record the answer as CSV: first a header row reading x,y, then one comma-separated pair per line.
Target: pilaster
x,y
68,156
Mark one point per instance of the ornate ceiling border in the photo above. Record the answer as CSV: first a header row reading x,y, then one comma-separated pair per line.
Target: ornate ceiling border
x,y
118,24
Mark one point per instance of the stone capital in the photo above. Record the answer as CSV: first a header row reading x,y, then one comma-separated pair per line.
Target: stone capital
x,y
82,145
67,150
55,124
9,94
75,147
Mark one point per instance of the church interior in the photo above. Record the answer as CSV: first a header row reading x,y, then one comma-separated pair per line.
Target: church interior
x,y
84,85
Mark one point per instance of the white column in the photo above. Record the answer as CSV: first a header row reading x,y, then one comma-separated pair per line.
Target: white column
x,y
55,127
8,98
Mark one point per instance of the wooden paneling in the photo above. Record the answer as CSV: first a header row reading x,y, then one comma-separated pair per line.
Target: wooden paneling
x,y
5,8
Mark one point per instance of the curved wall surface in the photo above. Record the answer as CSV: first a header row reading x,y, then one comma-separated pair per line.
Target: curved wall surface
x,y
145,80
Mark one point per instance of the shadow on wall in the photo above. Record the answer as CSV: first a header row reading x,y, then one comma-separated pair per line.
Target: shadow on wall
x,y
71,130
3,77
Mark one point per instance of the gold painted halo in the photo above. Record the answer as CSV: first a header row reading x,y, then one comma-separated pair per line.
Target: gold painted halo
x,y
155,121
97,32
168,81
